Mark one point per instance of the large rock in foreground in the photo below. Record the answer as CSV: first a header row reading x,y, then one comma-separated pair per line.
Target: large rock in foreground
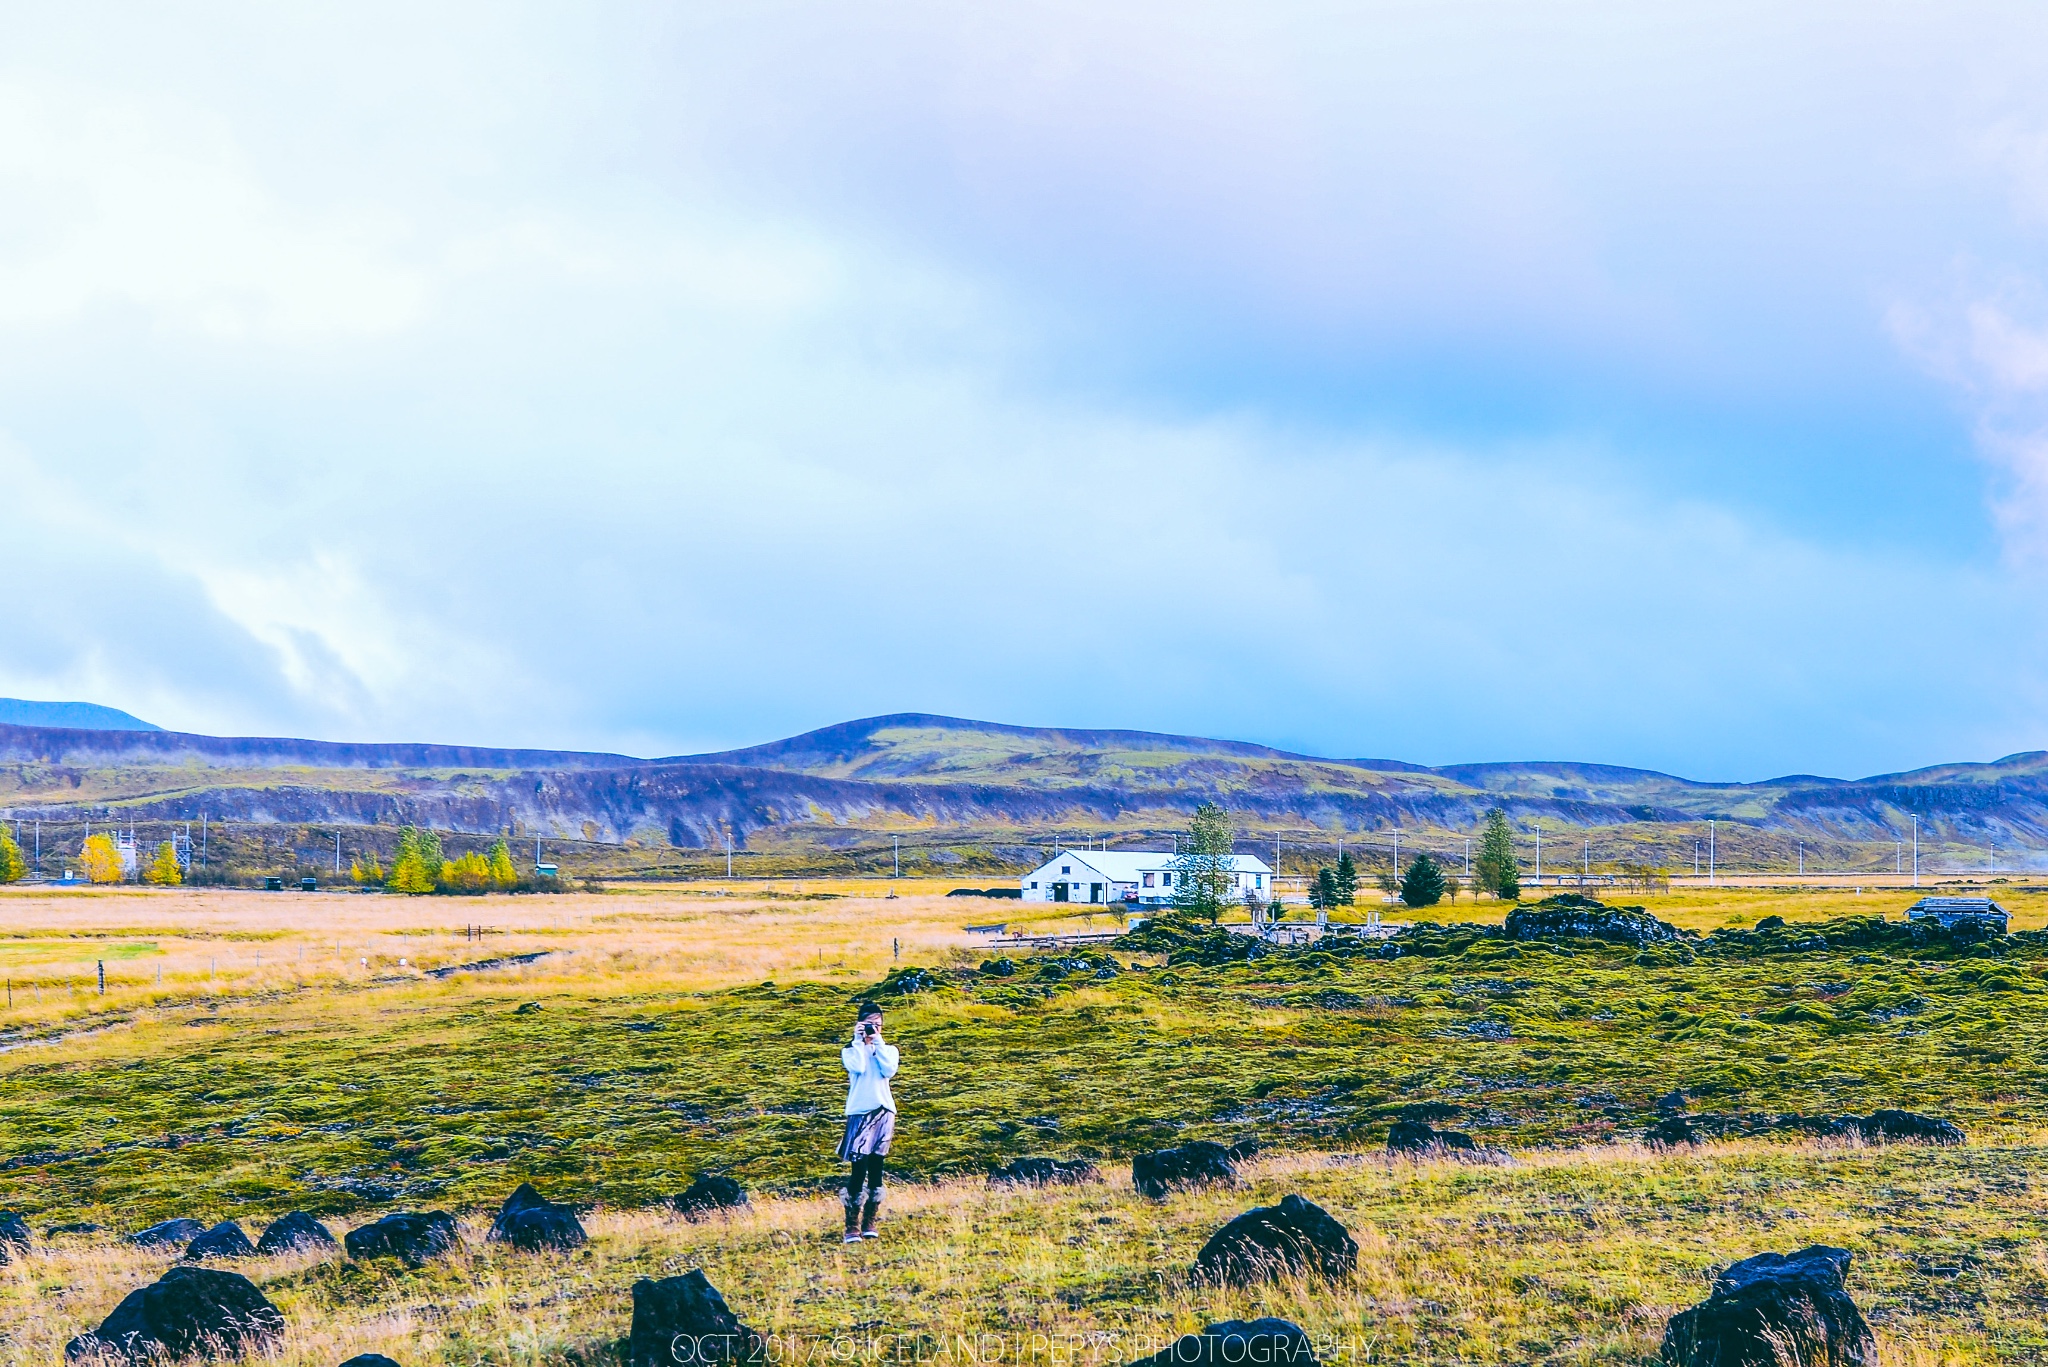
x,y
15,1236
1238,1343
412,1236
1420,1137
1775,1308
709,1192
1268,1242
169,1232
681,1321
1199,1164
189,1311
369,1360
1880,1126
293,1233
1043,1172
530,1221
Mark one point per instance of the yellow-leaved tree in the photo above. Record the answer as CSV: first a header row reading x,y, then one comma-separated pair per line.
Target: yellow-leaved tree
x,y
418,865
163,870
13,868
503,875
366,873
99,860
470,873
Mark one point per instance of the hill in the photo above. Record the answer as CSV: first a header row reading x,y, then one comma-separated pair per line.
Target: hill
x,y
84,716
987,795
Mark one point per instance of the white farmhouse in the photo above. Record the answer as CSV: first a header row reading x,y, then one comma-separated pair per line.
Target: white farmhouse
x,y
1141,876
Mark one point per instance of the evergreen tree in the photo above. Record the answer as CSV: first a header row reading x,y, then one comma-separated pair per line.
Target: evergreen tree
x,y
503,875
163,871
99,861
1329,893
1201,871
13,868
1424,884
1494,870
1347,880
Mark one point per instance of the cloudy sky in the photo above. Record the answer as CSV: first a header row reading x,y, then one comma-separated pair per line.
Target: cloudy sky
x,y
1449,380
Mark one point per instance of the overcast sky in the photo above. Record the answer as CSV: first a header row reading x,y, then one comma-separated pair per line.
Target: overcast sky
x,y
1654,385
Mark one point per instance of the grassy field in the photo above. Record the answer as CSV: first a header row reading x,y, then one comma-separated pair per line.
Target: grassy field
x,y
256,1053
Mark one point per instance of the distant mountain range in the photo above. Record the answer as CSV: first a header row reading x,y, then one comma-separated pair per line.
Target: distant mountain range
x,y
938,782
78,716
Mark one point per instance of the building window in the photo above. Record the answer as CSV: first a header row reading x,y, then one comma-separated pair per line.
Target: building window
x,y
1034,883
1148,880
1258,880
1166,879
1066,868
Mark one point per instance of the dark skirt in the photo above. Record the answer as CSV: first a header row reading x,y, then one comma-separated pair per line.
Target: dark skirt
x,y
867,1135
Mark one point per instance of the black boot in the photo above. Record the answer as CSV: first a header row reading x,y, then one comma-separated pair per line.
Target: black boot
x,y
868,1214
847,1199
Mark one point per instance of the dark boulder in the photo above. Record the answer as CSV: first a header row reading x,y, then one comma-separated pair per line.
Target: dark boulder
x,y
707,1193
224,1240
1415,1136
1199,1164
1043,1172
178,1232
1574,917
1247,1147
412,1236
190,1310
1775,1308
1879,1126
294,1232
1267,1242
1672,1102
679,1321
529,1221
1771,923
1238,1343
73,1227
1672,1131
15,1236
998,968
369,1360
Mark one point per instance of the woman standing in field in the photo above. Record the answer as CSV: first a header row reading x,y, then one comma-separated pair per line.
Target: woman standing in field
x,y
870,1120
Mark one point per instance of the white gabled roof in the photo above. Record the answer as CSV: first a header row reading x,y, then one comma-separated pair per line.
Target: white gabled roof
x,y
1124,866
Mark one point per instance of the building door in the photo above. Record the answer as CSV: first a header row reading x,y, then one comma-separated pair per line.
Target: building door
x,y
1059,892
1095,892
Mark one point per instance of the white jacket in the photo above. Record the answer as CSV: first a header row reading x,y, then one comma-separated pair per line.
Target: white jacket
x,y
868,1070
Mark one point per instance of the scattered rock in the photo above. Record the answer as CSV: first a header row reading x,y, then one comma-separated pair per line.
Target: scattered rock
x,y
1267,1242
1672,1102
529,1221
1043,1172
683,1320
1880,1126
709,1192
1247,1147
1417,1136
75,1227
1235,1343
1429,1111
523,1009
412,1236
224,1240
998,968
1672,1131
1201,1163
907,982
1771,923
189,1311
369,1360
1775,1308
294,1232
178,1232
14,1236
1576,917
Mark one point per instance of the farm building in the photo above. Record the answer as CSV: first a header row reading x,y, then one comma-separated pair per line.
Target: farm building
x,y
1948,912
1141,876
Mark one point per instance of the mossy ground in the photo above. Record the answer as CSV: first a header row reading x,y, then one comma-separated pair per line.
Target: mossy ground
x,y
684,1034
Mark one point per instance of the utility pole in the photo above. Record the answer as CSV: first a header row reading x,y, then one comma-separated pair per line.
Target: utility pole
x,y
1468,858
1710,853
337,854
1586,862
897,854
1898,857
1397,851
1916,851
1802,859
1539,856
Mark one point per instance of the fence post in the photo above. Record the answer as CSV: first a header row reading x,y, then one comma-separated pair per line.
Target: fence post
x,y
103,977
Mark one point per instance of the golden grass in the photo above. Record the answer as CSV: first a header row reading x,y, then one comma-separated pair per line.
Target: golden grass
x,y
1570,1257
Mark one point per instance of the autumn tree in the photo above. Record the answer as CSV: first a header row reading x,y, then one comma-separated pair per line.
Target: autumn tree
x,y
503,875
13,868
99,861
418,864
1494,870
163,871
